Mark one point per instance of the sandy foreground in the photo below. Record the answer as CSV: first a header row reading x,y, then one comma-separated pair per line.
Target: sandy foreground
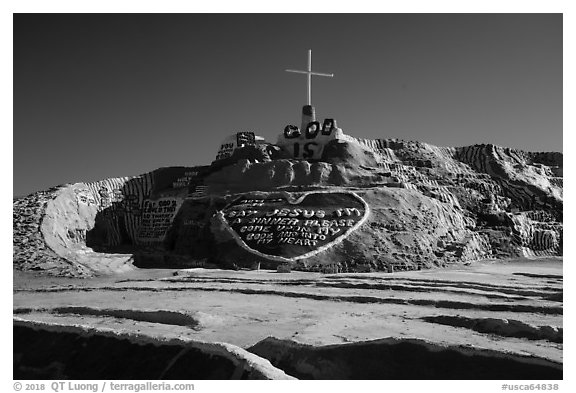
x,y
512,306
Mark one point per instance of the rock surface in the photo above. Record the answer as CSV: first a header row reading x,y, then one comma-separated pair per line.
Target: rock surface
x,y
429,206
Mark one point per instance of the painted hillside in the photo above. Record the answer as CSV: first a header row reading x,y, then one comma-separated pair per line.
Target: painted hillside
x,y
427,206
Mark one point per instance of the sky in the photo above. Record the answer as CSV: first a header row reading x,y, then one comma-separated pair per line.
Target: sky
x,y
110,95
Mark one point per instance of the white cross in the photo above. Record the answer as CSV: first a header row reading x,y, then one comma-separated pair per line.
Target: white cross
x,y
309,73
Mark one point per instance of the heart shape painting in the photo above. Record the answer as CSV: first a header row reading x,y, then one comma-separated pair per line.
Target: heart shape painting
x,y
285,228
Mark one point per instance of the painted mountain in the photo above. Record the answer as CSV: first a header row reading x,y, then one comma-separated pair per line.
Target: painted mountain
x,y
361,206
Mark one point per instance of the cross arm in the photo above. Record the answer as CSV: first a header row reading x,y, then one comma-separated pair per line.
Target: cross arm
x,y
311,73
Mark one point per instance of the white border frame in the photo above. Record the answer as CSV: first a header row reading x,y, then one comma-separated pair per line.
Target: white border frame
x,y
290,199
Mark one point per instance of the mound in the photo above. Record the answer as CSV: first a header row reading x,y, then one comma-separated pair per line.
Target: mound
x,y
418,206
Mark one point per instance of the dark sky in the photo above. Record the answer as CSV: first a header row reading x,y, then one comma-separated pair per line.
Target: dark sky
x,y
100,95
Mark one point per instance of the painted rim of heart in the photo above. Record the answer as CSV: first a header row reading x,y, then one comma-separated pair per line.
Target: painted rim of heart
x,y
289,199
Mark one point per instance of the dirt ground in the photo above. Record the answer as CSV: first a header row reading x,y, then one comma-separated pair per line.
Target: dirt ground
x,y
511,306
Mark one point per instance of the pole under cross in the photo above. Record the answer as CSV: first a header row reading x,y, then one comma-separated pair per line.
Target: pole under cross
x,y
309,73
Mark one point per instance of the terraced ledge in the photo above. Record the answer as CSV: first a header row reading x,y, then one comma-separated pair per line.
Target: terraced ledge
x,y
55,351
501,327
399,358
459,284
548,310
533,275
153,316
483,290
